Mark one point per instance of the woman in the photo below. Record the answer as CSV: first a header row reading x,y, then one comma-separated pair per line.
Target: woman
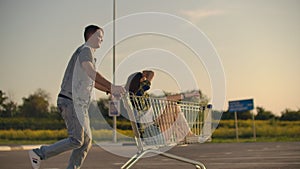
x,y
169,121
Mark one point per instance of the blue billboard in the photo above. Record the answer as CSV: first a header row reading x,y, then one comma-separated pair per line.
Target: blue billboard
x,y
241,105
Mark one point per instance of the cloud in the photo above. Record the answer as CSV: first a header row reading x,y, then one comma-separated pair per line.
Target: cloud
x,y
196,15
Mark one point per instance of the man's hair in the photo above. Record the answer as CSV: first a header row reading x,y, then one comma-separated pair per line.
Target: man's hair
x,y
90,30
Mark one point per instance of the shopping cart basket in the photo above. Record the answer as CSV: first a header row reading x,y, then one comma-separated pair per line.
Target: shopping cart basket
x,y
159,123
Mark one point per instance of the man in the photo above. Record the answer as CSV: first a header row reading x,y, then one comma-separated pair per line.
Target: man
x,y
73,101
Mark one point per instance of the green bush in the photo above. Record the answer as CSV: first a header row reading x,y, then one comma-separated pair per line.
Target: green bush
x,y
40,135
31,123
265,129
32,134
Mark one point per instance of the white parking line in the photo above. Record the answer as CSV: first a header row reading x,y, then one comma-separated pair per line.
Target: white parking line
x,y
5,148
261,163
23,147
257,157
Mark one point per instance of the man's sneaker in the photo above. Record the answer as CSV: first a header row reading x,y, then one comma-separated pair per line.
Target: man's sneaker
x,y
34,159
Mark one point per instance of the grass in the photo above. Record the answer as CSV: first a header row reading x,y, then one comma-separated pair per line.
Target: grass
x,y
259,139
266,131
25,142
282,130
15,137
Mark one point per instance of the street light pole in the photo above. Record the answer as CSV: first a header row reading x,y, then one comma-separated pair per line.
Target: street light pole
x,y
114,68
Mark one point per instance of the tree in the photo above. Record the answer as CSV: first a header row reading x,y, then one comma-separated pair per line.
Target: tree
x,y
290,115
244,115
8,108
262,114
3,99
240,115
35,105
103,107
54,113
227,115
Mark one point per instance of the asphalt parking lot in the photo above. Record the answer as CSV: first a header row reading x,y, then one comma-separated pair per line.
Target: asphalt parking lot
x,y
214,155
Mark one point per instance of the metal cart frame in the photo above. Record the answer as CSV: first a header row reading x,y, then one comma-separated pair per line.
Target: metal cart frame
x,y
162,113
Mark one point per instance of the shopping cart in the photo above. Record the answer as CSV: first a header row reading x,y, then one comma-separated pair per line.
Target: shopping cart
x,y
159,123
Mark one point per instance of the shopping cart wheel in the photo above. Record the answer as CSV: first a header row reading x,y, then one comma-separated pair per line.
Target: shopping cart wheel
x,y
199,167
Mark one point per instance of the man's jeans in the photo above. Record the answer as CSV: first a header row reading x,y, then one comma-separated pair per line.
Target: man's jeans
x,y
79,139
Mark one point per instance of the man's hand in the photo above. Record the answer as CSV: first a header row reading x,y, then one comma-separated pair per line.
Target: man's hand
x,y
117,90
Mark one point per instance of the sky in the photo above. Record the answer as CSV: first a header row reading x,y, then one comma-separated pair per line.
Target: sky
x,y
257,43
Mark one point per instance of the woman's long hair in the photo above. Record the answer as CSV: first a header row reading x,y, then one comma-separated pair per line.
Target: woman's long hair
x,y
133,82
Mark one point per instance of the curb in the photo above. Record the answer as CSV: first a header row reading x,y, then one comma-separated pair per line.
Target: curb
x,y
30,147
18,147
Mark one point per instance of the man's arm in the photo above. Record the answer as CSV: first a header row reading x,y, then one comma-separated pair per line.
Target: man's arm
x,y
101,83
102,88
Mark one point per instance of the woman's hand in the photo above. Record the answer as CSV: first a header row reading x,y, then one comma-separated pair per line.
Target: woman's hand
x,y
148,74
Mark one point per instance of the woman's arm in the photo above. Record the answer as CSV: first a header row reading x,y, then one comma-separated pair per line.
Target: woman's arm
x,y
148,75
177,97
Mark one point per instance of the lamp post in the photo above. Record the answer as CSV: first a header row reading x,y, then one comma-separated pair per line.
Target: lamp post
x,y
114,68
